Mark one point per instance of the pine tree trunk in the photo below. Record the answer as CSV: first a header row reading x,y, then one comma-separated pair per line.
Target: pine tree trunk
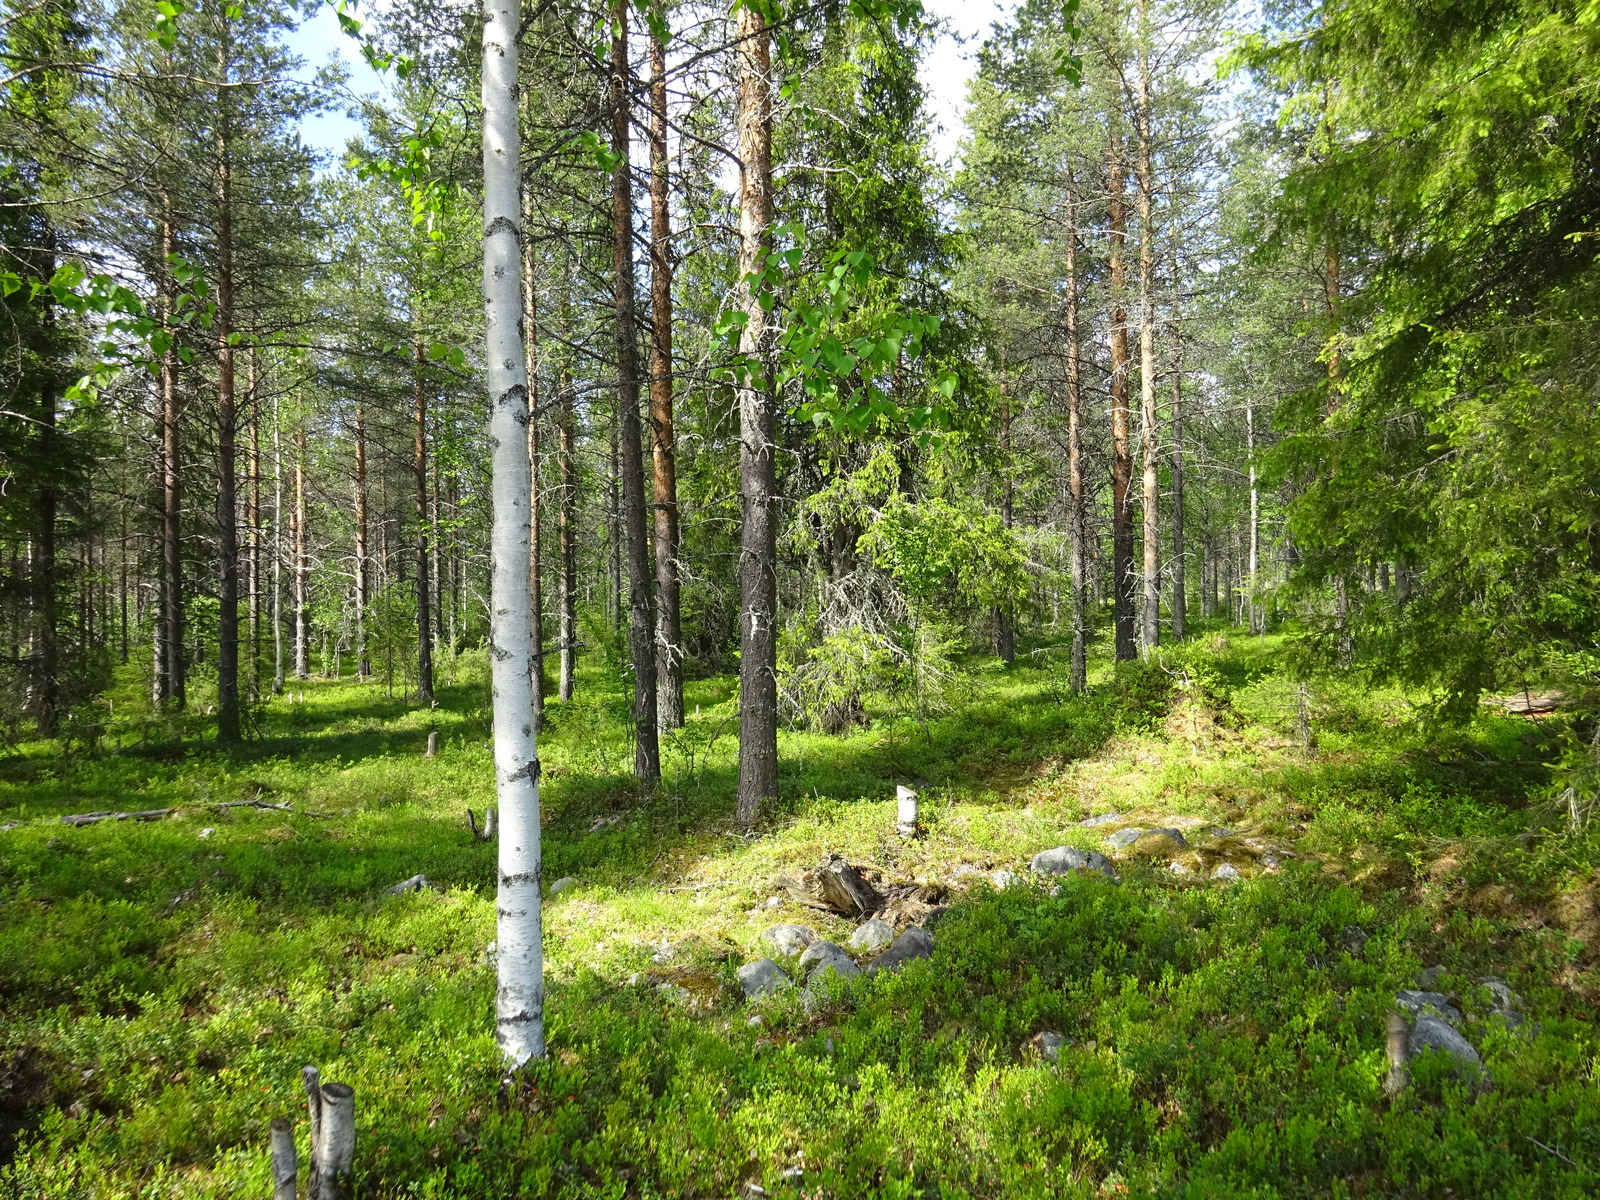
x,y
758,547
419,467
567,630
530,309
228,729
277,549
1150,607
1122,574
519,956
172,671
641,607
254,401
302,559
45,585
663,452
1077,516
363,664
1005,635
1180,598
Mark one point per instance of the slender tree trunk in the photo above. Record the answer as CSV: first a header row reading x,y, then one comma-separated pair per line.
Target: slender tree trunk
x,y
302,559
530,308
419,466
641,608
1005,634
614,530
173,687
1122,575
1341,594
363,664
277,549
566,435
1150,608
228,727
758,548
254,401
1255,519
46,647
1077,517
663,453
1180,598
519,957
122,579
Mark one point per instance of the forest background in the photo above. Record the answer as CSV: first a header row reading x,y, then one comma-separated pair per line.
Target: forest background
x,y
1274,321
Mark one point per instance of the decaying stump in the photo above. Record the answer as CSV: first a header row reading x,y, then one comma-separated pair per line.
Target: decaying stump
x,y
835,886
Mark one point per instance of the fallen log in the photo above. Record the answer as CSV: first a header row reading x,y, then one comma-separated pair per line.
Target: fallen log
x,y
94,818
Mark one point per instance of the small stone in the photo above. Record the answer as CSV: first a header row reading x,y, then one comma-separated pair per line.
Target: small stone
x,y
1048,1045
1420,1003
415,884
915,942
1504,998
1102,819
1178,868
1270,860
1069,858
821,953
1220,831
664,952
774,902
1432,1034
1124,838
1428,977
674,993
794,1174
756,1021
1226,872
1170,833
1003,879
206,832
762,978
821,980
1353,938
872,936
790,939
565,883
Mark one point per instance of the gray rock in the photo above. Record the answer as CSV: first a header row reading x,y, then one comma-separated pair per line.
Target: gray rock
x,y
872,936
821,952
1226,872
1180,869
664,953
821,980
1353,938
1069,858
1220,831
1048,1045
1102,819
565,884
1419,1004
1003,879
1123,838
1168,832
762,978
1504,998
1428,977
915,942
1271,860
415,884
206,832
1431,1035
674,993
790,939
962,870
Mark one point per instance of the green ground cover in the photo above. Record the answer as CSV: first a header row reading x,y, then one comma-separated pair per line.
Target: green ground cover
x,y
163,983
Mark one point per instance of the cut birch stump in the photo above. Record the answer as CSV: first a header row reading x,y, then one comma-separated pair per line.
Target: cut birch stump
x,y
906,811
486,834
433,745
332,1109
1396,1046
285,1162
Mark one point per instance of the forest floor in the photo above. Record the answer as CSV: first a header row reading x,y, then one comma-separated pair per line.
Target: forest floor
x,y
162,983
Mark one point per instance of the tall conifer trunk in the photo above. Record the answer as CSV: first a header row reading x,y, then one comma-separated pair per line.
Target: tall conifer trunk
x,y
228,729
254,519
171,672
641,608
1077,517
567,515
663,453
519,955
1122,574
1150,607
1005,634
302,559
758,547
419,468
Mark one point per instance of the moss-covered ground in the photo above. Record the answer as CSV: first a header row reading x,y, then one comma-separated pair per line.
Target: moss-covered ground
x,y
164,982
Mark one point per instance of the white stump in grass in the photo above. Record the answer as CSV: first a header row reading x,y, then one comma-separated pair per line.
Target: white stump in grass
x,y
433,745
332,1110
906,802
285,1163
519,1001
1396,1048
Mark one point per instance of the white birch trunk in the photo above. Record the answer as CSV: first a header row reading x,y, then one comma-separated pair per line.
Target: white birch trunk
x,y
519,1003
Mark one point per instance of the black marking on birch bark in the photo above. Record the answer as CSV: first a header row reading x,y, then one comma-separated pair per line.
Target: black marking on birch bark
x,y
501,224
517,391
533,876
533,770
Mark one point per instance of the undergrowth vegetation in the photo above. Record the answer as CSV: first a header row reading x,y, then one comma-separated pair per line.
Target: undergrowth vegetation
x,y
163,982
